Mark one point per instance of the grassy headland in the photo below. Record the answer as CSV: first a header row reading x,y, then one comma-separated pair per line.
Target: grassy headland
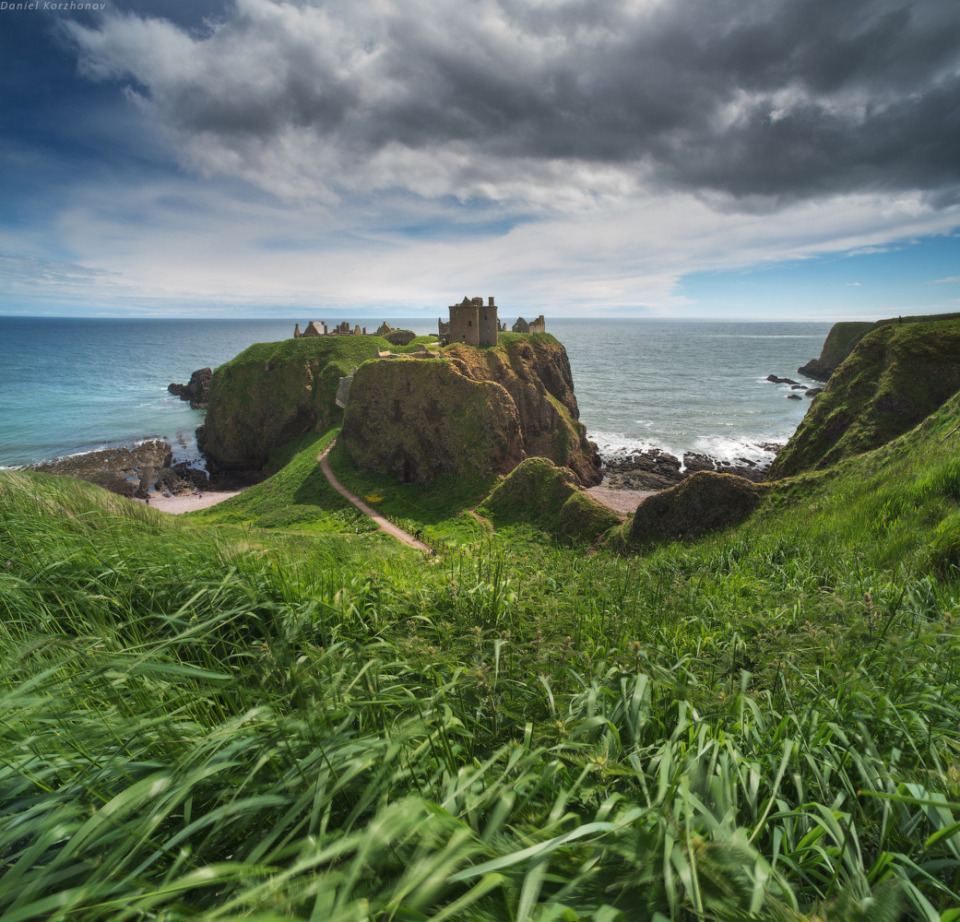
x,y
258,713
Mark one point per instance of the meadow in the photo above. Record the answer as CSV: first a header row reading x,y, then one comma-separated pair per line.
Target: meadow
x,y
269,711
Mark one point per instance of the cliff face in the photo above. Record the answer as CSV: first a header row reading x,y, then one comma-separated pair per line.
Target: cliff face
x,y
273,393
895,377
838,345
473,411
843,338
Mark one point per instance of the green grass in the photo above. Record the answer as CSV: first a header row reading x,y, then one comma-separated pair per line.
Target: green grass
x,y
436,511
204,719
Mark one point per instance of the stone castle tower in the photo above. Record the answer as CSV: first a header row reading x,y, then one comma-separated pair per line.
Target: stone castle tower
x,y
473,322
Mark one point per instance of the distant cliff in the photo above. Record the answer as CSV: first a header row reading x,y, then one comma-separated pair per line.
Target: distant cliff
x,y
844,336
894,378
470,412
838,345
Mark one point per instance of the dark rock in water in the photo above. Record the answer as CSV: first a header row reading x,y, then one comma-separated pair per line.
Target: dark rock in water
x,y
154,453
113,481
798,387
794,397
813,391
147,476
197,391
742,467
400,337
196,478
777,380
643,470
704,502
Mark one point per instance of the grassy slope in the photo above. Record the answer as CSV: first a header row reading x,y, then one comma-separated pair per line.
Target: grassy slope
x,y
896,376
199,721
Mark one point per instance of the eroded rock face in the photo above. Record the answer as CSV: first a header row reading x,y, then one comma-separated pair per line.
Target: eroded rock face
x,y
537,376
705,501
417,420
273,393
197,391
473,410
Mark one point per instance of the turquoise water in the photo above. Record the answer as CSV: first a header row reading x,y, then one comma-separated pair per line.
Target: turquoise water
x,y
76,385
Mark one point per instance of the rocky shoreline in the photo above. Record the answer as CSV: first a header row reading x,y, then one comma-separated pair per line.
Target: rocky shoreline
x,y
133,471
655,469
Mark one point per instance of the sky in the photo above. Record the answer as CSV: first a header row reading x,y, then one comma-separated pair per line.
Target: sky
x,y
727,159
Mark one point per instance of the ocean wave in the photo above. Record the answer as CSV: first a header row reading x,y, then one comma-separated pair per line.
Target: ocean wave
x,y
720,448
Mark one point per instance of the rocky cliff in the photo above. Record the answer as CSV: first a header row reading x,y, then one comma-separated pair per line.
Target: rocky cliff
x,y
469,412
844,336
895,377
837,346
272,393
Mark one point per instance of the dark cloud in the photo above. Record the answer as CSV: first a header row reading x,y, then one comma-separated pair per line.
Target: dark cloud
x,y
785,100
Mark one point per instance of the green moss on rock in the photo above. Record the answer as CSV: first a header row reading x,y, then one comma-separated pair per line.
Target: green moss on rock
x,y
705,501
418,419
480,410
896,376
547,497
838,345
273,393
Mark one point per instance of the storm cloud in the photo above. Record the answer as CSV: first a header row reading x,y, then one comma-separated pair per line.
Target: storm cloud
x,y
556,105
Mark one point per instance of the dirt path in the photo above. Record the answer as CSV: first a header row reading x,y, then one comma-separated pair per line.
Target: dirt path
x,y
483,521
382,523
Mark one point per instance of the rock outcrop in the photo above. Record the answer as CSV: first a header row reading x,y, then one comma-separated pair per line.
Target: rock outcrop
x,y
704,502
273,393
540,494
132,471
417,420
471,411
655,469
400,337
843,338
153,453
196,391
895,377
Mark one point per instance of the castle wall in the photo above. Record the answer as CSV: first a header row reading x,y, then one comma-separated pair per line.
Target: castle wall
x,y
488,323
465,324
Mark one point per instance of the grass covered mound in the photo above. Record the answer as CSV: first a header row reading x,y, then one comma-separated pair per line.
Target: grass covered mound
x,y
895,377
546,497
705,501
205,721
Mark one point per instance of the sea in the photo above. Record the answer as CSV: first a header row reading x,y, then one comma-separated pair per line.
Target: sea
x,y
74,385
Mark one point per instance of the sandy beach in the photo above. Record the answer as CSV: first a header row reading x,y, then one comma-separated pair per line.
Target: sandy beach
x,y
177,505
623,502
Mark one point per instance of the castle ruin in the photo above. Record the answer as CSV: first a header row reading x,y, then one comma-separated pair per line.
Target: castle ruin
x,y
534,326
471,322
319,328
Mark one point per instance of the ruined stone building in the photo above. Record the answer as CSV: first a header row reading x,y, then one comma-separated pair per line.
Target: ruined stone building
x,y
471,322
534,326
319,328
